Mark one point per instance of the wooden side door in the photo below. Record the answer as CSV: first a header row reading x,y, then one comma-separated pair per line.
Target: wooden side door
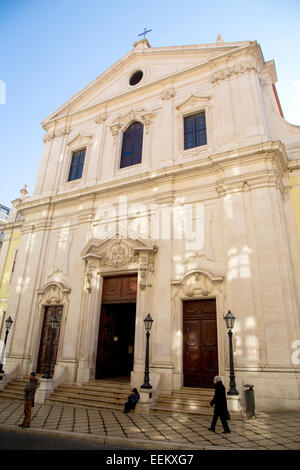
x,y
200,347
46,338
105,354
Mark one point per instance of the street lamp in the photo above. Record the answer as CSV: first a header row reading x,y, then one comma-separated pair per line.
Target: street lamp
x,y
148,324
8,323
47,374
230,319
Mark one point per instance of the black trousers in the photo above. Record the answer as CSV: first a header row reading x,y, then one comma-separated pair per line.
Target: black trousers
x,y
223,421
129,406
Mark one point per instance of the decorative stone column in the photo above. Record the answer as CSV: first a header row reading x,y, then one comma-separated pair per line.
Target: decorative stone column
x,y
89,320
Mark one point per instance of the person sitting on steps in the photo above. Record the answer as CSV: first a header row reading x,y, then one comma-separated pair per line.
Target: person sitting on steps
x,y
133,398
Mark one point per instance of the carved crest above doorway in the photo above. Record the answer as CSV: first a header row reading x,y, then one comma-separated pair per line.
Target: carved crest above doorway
x,y
55,290
117,253
200,283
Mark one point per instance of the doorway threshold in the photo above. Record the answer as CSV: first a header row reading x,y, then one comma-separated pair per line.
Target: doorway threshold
x,y
125,380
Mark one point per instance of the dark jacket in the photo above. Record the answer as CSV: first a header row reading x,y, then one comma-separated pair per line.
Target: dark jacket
x,y
133,399
30,389
219,400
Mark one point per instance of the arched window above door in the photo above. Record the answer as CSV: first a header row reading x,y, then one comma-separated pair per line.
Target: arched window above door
x,y
132,145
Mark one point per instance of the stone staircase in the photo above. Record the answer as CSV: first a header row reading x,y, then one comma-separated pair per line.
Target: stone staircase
x,y
187,400
106,394
111,395
14,390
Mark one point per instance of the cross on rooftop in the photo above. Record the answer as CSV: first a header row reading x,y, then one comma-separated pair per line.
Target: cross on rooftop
x,y
145,32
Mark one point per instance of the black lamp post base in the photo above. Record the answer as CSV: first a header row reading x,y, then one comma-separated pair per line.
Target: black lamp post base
x,y
46,376
233,392
147,386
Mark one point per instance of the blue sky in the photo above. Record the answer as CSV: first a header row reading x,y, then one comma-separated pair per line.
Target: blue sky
x,y
51,49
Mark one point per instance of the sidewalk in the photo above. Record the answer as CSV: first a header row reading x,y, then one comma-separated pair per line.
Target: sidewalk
x,y
276,431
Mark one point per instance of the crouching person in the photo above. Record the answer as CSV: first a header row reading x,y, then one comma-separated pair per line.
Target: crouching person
x,y
133,398
29,394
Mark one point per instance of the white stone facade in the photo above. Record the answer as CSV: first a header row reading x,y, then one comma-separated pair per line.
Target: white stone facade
x,y
248,259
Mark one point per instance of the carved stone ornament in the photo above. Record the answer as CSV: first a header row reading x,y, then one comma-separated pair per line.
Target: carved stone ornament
x,y
147,119
115,129
50,135
54,294
236,70
117,252
123,122
199,283
167,94
100,118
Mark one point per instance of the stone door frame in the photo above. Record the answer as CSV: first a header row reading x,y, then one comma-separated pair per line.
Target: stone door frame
x,y
115,255
54,293
197,285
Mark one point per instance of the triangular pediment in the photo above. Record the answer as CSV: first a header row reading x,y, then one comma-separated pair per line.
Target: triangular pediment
x,y
79,139
193,101
156,64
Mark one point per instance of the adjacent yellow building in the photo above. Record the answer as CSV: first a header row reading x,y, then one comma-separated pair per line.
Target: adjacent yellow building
x,y
8,256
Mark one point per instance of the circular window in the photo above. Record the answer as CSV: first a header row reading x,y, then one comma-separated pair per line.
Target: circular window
x,y
136,77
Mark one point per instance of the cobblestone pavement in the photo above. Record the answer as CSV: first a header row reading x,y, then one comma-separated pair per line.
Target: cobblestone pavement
x,y
274,431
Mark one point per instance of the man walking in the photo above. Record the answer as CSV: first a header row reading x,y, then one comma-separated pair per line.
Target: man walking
x,y
220,403
29,394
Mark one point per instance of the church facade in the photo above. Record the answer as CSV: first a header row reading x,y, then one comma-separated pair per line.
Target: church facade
x,y
164,189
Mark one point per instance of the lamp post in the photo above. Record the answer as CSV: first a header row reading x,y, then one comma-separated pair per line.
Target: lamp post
x,y
148,324
8,323
47,374
230,319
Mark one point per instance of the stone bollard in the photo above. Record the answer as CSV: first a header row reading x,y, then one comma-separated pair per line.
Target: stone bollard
x,y
145,401
46,387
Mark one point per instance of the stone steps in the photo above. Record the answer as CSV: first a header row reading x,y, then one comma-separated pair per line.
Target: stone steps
x,y
180,402
14,390
195,401
111,395
187,400
170,409
94,394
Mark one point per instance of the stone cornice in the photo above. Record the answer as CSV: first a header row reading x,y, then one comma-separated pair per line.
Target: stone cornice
x,y
11,225
270,151
255,180
294,165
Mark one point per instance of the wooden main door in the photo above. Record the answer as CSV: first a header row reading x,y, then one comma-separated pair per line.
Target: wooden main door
x,y
117,327
200,345
46,338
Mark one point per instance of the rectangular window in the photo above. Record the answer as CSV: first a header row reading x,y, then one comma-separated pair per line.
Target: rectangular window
x,y
194,131
77,163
